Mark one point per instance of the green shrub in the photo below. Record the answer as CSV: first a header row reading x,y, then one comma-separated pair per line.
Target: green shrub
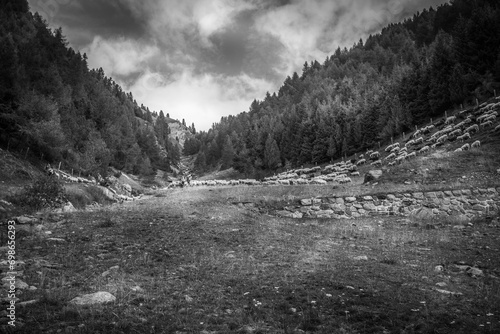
x,y
44,192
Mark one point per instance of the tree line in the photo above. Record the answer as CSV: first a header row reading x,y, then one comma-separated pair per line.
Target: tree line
x,y
403,76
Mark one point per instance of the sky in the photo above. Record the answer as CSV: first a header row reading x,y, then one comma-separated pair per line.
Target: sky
x,y
200,60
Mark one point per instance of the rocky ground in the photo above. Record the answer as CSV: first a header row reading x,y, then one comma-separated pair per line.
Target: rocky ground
x,y
190,260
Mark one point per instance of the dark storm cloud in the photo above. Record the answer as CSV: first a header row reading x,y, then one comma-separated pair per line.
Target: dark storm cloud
x,y
202,59
82,20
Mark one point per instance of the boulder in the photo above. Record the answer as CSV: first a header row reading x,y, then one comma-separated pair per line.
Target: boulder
x,y
68,207
127,188
423,213
100,297
372,175
26,220
306,201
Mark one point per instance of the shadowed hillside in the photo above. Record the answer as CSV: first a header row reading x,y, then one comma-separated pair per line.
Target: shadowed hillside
x,y
54,109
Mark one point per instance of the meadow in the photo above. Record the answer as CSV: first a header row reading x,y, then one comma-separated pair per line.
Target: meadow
x,y
213,260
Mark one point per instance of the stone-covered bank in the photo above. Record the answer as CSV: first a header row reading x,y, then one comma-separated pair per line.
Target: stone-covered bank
x,y
469,202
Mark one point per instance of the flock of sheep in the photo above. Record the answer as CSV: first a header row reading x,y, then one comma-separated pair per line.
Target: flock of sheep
x,y
421,141
338,172
425,139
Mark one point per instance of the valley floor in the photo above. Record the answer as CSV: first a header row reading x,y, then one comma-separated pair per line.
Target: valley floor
x,y
192,261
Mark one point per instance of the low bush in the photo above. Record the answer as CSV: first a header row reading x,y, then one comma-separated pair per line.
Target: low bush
x,y
45,192
81,196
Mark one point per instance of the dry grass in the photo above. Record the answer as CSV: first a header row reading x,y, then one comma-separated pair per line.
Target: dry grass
x,y
193,262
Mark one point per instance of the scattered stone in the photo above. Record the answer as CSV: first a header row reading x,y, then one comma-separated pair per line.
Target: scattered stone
x,y
137,289
360,258
26,220
474,272
28,302
446,292
306,201
369,207
68,207
100,297
56,239
18,283
127,188
422,213
288,214
438,268
458,227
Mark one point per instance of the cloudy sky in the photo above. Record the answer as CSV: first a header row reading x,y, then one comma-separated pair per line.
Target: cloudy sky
x,y
203,59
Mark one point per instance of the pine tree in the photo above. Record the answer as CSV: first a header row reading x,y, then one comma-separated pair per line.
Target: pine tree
x,y
227,153
272,158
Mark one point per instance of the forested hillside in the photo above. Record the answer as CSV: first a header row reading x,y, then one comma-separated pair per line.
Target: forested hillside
x,y
54,109
408,73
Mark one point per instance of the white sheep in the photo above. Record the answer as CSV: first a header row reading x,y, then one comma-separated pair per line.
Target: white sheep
x,y
424,149
465,147
497,128
411,155
486,124
361,162
490,118
450,119
411,142
477,143
345,180
401,158
472,128
419,140
442,139
377,163
355,174
464,136
481,118
374,155
390,156
458,149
